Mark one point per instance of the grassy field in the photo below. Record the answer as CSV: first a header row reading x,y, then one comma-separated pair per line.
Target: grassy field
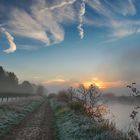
x,y
52,118
75,125
11,113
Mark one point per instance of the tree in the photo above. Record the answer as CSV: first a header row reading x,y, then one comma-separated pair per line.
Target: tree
x,y
90,100
134,91
8,81
71,92
94,94
84,92
40,90
26,87
12,79
135,113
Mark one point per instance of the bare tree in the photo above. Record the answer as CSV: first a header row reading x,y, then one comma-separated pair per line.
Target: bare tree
x,y
94,94
134,91
133,134
83,92
71,92
95,107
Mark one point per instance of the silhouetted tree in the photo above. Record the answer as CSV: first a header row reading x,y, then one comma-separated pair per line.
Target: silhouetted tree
x,y
13,80
134,114
134,91
26,87
40,90
84,92
8,81
71,92
9,84
89,98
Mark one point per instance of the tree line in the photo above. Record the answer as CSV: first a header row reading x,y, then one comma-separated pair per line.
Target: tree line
x,y
9,83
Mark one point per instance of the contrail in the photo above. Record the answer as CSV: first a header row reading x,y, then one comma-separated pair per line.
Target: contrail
x,y
59,5
11,42
81,15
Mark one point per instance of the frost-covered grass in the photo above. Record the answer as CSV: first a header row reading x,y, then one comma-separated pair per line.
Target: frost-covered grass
x,y
73,125
13,113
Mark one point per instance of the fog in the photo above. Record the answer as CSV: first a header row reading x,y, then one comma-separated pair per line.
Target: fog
x,y
119,113
10,86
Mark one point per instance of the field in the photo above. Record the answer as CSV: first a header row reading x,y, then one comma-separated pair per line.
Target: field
x,y
14,111
76,125
52,118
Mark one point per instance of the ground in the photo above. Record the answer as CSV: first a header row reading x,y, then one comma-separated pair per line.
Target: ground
x,y
37,126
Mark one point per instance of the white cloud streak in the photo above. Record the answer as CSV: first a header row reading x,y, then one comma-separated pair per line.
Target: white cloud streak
x,y
110,17
100,8
64,3
11,42
46,25
124,8
81,14
125,28
123,33
23,24
43,26
110,9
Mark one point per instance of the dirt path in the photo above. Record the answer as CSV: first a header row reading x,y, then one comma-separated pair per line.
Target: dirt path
x,y
37,126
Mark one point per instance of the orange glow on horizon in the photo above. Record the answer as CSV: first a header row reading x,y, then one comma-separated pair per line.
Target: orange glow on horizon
x,y
98,83
103,84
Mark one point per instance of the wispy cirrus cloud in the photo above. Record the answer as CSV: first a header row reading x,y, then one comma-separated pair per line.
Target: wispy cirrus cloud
x,y
11,42
123,33
110,8
43,25
123,7
111,11
124,28
81,12
62,4
101,8
23,24
48,22
54,81
44,21
58,84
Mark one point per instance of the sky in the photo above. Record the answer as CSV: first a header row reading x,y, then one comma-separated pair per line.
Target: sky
x,y
61,43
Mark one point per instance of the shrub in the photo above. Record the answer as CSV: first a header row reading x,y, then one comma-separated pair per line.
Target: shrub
x,y
51,95
63,96
78,126
76,106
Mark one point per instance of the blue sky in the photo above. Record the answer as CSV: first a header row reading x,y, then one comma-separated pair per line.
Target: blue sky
x,y
66,42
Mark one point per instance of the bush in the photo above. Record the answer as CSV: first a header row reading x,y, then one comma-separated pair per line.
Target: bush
x,y
76,106
76,126
51,95
63,96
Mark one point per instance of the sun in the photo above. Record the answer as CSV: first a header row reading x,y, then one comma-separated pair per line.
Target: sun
x,y
98,83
